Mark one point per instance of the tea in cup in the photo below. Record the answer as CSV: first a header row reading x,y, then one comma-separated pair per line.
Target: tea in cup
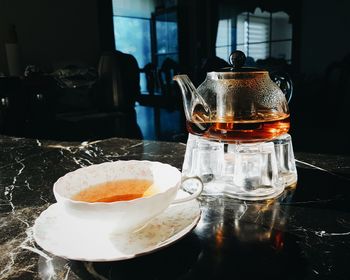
x,y
120,196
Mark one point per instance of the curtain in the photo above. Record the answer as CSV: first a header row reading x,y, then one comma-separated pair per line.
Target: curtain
x,y
207,22
105,24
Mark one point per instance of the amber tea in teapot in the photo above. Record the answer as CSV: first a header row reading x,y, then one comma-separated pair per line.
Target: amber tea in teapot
x,y
268,127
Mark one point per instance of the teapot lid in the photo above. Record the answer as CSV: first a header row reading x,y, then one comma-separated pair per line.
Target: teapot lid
x,y
237,60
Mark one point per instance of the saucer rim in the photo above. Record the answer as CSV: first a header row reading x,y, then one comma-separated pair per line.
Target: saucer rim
x,y
164,244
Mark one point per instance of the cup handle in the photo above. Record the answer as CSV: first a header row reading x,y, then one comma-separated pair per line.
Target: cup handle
x,y
193,195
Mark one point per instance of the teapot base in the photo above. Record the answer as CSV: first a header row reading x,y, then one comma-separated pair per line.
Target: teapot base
x,y
254,171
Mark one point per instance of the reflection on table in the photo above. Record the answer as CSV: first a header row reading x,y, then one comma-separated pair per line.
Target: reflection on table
x,y
302,234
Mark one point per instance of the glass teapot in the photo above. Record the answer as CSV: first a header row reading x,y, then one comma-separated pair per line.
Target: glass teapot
x,y
237,104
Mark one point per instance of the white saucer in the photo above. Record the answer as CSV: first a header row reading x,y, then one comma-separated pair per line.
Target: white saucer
x,y
65,239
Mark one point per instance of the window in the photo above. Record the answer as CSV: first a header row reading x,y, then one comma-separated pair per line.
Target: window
x,y
259,35
149,36
132,31
224,39
166,37
133,36
253,35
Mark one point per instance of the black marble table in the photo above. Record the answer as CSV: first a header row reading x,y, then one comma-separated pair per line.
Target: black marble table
x,y
304,234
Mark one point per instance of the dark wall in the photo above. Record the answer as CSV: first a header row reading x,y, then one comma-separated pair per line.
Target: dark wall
x,y
324,34
51,32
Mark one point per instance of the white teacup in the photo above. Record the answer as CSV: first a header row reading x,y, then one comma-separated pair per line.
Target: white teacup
x,y
121,216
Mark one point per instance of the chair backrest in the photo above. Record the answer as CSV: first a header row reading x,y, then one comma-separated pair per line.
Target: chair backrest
x,y
166,73
151,77
272,64
118,81
211,64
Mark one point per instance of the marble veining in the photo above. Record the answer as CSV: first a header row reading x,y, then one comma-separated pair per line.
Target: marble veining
x,y
303,234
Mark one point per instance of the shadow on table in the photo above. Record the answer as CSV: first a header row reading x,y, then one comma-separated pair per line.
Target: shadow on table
x,y
173,262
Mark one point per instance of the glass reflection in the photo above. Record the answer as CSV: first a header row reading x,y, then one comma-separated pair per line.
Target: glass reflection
x,y
248,239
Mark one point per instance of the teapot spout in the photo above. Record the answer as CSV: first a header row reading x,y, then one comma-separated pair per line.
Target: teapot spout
x,y
196,109
188,92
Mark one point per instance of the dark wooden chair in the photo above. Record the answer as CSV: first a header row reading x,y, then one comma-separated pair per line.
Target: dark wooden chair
x,y
150,72
211,64
13,106
114,95
166,72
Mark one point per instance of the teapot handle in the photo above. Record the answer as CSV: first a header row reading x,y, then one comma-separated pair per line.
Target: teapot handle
x,y
284,82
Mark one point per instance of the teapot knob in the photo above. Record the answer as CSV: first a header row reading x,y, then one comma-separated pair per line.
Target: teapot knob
x,y
237,59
